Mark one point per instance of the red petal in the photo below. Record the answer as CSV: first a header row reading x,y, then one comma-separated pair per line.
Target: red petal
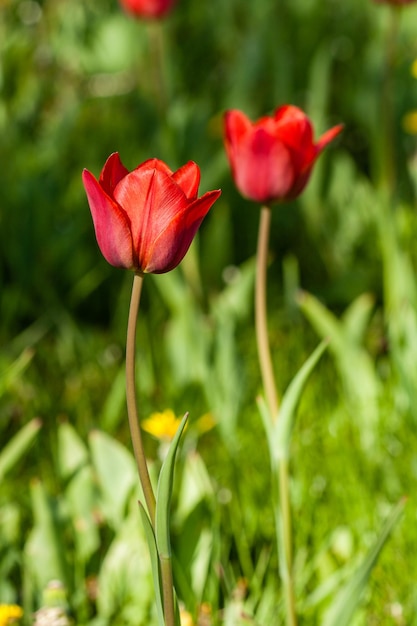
x,y
263,167
155,164
293,126
110,223
112,173
188,178
294,129
151,200
236,125
172,244
328,136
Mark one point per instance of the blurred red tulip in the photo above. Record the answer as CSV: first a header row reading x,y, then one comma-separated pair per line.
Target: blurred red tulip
x,y
148,8
394,1
271,159
146,219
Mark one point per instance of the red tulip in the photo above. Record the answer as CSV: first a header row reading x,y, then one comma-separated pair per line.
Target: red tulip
x,y
146,219
398,2
272,159
148,8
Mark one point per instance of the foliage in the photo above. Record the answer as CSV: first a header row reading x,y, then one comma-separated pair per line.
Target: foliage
x,y
78,81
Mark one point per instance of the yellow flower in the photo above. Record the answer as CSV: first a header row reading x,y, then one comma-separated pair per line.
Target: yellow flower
x,y
205,423
410,122
414,69
162,425
186,618
9,613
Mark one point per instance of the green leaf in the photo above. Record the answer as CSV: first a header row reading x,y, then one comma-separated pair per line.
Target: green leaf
x,y
72,451
356,317
125,575
82,500
163,496
12,373
153,551
14,450
45,551
268,424
116,472
354,363
348,599
284,424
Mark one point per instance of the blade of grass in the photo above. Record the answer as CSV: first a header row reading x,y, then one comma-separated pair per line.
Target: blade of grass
x,y
18,445
348,599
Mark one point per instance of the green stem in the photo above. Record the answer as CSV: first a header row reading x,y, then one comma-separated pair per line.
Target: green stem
x,y
261,324
157,66
132,412
286,550
135,433
281,472
167,590
388,114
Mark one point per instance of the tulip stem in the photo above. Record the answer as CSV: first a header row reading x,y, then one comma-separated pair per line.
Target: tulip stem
x,y
158,70
264,353
135,433
388,89
132,411
281,471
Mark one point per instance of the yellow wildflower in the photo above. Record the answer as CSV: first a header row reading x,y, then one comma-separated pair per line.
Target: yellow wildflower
x,y
162,425
9,613
414,69
410,122
186,618
205,423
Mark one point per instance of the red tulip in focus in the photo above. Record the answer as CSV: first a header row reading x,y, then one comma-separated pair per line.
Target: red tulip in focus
x,y
146,219
148,8
272,159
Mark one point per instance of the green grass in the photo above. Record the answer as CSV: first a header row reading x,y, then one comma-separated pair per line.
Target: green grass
x,y
77,82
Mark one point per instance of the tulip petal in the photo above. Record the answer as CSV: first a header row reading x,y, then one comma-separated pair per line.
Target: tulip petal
x,y
151,200
237,124
155,164
148,8
172,244
263,167
111,224
294,129
112,173
328,136
188,178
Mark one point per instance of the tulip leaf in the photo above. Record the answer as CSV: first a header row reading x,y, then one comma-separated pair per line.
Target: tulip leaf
x,y
153,551
116,475
45,556
346,603
284,424
163,496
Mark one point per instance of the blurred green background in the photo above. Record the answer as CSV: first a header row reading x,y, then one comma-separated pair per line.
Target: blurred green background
x,y
79,80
